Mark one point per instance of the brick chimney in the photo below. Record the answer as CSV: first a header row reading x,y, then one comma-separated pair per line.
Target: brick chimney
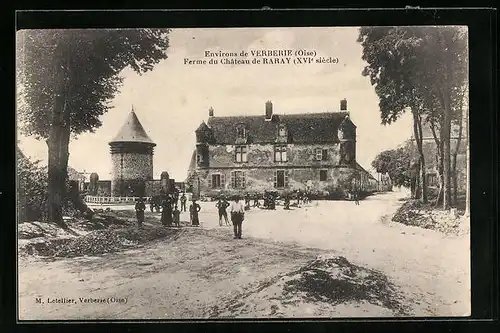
x,y
211,112
343,105
269,110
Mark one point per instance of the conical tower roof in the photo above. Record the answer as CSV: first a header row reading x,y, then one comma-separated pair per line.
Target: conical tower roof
x,y
132,131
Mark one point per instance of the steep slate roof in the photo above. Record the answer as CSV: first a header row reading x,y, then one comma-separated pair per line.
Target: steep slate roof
x,y
132,131
302,128
364,170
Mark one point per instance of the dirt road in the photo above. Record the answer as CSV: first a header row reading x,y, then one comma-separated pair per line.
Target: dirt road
x,y
204,273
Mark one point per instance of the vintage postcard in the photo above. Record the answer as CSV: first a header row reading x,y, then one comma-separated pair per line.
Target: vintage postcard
x,y
227,173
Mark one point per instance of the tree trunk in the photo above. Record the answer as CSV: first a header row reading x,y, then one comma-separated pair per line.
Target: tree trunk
x,y
446,151
78,202
454,180
422,165
455,154
439,162
467,194
58,142
417,131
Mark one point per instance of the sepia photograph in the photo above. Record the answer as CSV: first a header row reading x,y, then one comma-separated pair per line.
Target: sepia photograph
x,y
243,173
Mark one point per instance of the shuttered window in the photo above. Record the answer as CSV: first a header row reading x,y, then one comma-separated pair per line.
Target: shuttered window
x,y
216,181
223,181
238,179
319,154
280,178
324,155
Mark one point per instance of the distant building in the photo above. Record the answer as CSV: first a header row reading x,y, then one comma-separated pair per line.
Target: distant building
x,y
250,154
132,172
385,182
132,158
430,151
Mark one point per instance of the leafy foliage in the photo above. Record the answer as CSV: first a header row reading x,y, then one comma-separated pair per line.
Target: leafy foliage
x,y
412,67
84,66
66,79
422,69
32,188
396,163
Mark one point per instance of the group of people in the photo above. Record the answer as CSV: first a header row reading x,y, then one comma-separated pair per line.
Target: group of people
x,y
237,211
170,213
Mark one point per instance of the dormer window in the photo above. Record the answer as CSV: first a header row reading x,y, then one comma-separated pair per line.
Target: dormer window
x,y
282,131
240,132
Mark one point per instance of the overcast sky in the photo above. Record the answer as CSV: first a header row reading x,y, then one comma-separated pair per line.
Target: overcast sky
x,y
173,99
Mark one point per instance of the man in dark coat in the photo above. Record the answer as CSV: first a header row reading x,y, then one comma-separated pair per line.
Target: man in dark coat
x,y
183,202
287,202
222,205
140,207
194,209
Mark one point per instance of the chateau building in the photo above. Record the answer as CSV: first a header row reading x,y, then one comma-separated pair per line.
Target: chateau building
x,y
250,154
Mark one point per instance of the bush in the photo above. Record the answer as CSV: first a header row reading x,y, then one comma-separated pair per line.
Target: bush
x,y
31,190
335,193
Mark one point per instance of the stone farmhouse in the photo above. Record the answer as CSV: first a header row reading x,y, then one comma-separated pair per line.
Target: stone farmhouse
x,y
277,152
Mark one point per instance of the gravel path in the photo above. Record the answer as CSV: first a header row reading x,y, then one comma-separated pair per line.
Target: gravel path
x,y
201,272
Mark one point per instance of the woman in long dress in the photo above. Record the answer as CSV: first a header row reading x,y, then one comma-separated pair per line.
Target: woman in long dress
x,y
166,213
194,209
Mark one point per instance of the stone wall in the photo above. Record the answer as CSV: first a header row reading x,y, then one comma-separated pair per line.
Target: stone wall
x,y
153,187
263,155
131,172
104,188
257,180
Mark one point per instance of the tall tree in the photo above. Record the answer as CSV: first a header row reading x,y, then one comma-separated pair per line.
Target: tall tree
x,y
420,68
389,52
66,80
458,121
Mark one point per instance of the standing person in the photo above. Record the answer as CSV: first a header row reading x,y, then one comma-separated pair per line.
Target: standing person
x,y
247,201
152,204
287,202
140,207
177,216
166,213
194,209
222,204
176,197
356,196
256,201
183,202
237,216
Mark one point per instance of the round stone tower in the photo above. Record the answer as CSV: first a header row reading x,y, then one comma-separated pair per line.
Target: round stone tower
x,y
132,159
